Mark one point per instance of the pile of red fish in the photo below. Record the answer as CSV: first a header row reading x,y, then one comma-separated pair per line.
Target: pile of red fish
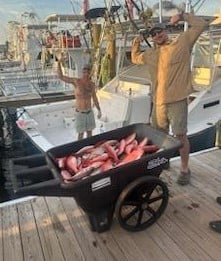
x,y
94,159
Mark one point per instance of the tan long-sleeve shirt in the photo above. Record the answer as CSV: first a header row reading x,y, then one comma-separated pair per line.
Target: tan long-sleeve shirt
x,y
169,64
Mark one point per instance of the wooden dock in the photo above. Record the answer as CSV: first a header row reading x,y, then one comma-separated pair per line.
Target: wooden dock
x,y
56,229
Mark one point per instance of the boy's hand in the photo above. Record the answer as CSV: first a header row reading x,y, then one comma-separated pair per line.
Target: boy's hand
x,y
61,56
139,38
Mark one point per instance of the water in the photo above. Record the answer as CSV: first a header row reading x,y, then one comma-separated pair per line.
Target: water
x,y
13,144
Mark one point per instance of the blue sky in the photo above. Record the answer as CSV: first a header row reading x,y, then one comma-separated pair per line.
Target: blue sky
x,y
12,9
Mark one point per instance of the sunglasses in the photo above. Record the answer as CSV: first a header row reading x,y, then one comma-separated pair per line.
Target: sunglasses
x,y
156,31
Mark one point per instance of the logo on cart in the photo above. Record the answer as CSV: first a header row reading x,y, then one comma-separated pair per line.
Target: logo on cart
x,y
101,184
156,162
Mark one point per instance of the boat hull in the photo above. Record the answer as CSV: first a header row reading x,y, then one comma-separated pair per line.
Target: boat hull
x,y
202,140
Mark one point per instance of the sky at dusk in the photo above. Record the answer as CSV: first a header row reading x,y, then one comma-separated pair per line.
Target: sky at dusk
x,y
12,9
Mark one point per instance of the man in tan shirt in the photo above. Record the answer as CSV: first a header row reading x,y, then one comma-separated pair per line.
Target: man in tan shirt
x,y
84,94
169,66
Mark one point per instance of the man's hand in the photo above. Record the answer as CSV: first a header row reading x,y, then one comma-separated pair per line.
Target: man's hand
x,y
61,56
139,38
99,114
176,18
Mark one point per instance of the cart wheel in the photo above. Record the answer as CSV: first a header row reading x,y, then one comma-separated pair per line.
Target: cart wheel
x,y
141,203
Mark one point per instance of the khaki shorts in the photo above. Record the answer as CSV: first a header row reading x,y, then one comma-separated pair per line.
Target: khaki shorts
x,y
85,121
172,115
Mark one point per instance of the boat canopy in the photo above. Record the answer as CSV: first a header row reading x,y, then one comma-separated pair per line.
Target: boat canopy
x,y
64,18
35,26
100,12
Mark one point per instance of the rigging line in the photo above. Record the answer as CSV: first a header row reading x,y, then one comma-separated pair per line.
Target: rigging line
x,y
203,1
132,21
82,34
136,6
196,3
72,5
118,18
142,6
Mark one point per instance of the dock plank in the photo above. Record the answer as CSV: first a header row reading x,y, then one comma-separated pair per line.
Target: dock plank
x,y
210,159
12,246
191,211
57,229
68,242
93,245
49,241
146,247
190,223
183,240
30,241
111,246
165,241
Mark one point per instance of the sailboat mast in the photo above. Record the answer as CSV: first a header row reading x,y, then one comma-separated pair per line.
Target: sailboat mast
x,y
187,10
85,6
130,8
160,11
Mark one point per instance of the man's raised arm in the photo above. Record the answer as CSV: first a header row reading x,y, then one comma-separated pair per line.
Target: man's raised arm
x,y
63,77
196,25
137,56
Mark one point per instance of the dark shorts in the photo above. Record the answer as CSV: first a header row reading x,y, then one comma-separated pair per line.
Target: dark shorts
x,y
85,121
172,115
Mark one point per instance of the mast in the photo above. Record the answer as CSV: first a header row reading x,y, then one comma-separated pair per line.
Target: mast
x,y
130,8
187,10
85,6
160,11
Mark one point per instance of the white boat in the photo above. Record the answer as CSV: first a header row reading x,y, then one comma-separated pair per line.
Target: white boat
x,y
126,100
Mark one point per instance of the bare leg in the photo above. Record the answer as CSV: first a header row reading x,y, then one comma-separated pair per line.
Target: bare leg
x,y
80,135
89,133
184,152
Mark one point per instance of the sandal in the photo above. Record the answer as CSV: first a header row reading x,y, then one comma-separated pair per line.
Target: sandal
x,y
215,225
184,178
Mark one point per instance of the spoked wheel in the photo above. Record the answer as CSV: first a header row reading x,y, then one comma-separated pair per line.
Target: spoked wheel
x,y
141,203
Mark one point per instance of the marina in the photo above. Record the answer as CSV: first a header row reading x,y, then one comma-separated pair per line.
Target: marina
x,y
55,228
126,97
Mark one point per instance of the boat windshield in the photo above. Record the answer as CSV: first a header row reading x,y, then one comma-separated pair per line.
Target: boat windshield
x,y
133,81
206,63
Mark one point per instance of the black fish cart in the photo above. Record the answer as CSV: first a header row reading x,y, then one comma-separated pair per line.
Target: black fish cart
x,y
133,191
